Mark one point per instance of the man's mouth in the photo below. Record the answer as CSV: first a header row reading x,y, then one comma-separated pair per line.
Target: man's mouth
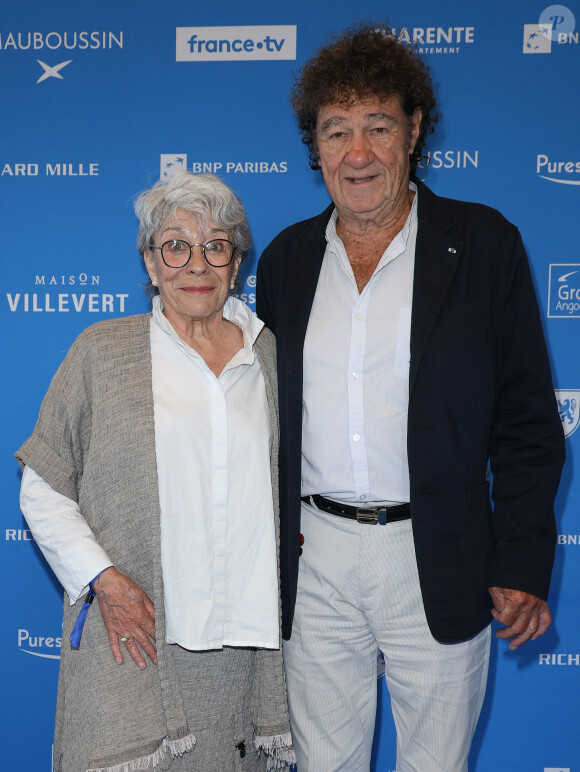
x,y
359,180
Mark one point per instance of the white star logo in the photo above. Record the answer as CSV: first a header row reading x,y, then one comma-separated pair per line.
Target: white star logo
x,y
51,72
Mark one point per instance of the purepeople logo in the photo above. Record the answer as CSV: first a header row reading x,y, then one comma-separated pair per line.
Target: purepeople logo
x,y
556,24
564,290
47,647
564,172
568,401
221,44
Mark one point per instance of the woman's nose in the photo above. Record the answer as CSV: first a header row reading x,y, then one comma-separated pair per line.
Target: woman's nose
x,y
197,261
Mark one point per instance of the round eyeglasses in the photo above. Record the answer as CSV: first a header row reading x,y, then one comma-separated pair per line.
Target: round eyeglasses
x,y
176,253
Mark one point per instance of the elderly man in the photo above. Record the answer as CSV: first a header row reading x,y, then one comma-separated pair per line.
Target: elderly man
x,y
410,355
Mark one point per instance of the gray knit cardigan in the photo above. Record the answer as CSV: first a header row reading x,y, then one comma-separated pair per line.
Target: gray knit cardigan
x,y
95,443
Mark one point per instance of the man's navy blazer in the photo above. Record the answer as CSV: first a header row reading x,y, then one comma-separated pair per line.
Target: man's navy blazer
x,y
480,390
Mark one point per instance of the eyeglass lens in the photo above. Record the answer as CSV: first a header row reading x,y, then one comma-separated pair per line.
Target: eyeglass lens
x,y
217,252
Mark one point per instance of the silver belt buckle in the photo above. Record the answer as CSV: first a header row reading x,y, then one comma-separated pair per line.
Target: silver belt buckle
x,y
372,516
367,516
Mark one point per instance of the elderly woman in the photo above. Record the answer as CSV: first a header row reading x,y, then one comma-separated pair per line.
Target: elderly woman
x,y
149,481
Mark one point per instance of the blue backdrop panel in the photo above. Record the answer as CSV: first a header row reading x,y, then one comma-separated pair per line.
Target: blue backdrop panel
x,y
100,100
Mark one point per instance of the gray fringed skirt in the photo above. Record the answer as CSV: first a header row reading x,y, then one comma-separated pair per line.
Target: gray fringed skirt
x,y
223,730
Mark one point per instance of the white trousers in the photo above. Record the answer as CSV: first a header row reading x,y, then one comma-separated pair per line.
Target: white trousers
x,y
358,592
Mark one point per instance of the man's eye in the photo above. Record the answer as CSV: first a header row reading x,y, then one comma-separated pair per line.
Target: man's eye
x,y
176,246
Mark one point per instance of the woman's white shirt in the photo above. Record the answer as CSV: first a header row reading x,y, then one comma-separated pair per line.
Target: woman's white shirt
x,y
212,441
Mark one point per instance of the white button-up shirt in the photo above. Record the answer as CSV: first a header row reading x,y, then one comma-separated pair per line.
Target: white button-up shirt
x,y
356,375
213,441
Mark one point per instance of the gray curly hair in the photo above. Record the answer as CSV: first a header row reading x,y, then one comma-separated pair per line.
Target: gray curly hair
x,y
205,195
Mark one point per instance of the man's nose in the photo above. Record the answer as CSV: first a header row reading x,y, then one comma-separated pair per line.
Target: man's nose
x,y
360,152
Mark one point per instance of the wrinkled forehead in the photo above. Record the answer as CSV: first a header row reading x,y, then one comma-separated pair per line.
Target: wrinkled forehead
x,y
365,109
182,222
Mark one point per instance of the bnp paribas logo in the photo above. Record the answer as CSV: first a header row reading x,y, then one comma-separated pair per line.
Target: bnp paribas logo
x,y
568,408
171,163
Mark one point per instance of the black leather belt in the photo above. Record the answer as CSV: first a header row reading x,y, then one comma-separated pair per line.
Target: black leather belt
x,y
370,515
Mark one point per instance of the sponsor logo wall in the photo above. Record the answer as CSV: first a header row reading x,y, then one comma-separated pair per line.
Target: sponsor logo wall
x,y
95,101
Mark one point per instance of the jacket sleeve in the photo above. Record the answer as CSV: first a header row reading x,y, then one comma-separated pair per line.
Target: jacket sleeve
x,y
62,534
526,440
62,433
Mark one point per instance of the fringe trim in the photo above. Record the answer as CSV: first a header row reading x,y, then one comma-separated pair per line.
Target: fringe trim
x,y
279,752
174,747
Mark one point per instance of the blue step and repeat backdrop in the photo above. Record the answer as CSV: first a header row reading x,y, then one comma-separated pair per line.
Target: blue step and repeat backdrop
x,y
100,99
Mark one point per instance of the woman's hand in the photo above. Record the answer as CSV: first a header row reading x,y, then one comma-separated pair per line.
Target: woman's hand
x,y
129,616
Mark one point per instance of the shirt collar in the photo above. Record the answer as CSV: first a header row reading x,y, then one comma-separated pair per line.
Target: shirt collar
x,y
234,311
401,238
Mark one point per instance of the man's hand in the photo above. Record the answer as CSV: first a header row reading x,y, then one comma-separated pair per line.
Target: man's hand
x,y
525,616
128,614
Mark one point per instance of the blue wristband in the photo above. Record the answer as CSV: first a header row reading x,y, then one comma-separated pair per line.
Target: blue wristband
x,y
75,636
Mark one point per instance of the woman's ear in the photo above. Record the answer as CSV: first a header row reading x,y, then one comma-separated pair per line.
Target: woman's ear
x,y
150,265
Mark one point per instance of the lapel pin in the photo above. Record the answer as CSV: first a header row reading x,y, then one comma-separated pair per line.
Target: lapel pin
x,y
452,250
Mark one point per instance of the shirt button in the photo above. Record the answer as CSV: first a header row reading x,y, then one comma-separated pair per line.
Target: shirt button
x,y
356,437
354,376
362,497
358,317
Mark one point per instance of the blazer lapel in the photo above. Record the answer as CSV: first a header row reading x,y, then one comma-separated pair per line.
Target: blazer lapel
x,y
303,273
436,258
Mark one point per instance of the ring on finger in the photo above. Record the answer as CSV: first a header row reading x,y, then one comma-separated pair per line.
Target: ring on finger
x,y
124,639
